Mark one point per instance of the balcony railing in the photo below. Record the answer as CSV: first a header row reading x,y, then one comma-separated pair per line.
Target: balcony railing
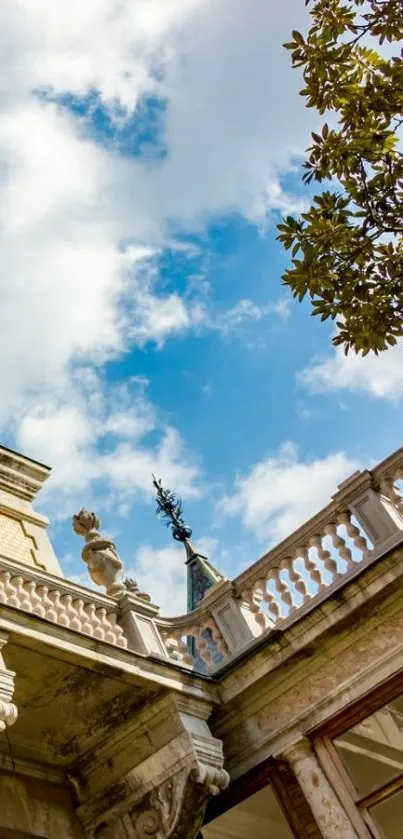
x,y
362,522
60,602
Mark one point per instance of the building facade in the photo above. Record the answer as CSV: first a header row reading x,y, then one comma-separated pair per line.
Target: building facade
x,y
273,709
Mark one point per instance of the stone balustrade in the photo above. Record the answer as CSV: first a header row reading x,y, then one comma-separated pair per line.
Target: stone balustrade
x,y
59,603
176,632
364,518
305,566
363,521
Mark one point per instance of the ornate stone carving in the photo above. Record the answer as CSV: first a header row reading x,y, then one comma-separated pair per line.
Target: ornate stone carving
x,y
173,810
164,794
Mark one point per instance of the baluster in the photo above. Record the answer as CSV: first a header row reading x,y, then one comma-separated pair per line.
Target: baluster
x,y
119,636
311,568
48,605
272,604
325,557
108,635
62,618
10,590
340,544
183,649
355,534
391,492
202,645
248,596
21,594
71,613
35,600
216,636
99,614
388,489
280,588
296,579
171,647
97,629
85,623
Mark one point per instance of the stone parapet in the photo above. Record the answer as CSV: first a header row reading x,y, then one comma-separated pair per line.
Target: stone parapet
x,y
60,602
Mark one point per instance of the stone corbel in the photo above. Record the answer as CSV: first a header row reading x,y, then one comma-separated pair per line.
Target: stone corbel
x,y
8,711
164,796
174,810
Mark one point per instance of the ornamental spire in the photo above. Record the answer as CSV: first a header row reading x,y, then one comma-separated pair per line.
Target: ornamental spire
x,y
201,575
169,509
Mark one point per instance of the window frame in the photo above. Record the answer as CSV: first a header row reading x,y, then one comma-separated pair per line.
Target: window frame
x,y
356,805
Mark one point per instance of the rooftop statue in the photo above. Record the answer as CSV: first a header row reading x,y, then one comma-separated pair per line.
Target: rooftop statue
x,y
104,563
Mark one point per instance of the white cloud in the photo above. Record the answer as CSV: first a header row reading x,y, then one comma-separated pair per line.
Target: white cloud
x,y
380,376
97,440
281,492
72,293
161,572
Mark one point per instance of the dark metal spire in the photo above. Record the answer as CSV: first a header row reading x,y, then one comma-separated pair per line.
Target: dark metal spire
x,y
169,509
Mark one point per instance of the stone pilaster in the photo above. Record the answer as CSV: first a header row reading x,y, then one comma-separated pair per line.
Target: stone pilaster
x,y
324,803
137,617
378,517
233,617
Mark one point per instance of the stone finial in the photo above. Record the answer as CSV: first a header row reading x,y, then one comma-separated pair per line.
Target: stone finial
x,y
104,563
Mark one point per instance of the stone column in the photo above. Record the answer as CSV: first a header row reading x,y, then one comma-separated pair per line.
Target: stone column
x,y
326,808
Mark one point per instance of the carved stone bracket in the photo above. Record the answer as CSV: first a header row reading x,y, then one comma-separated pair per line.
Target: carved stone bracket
x,y
8,711
174,810
163,796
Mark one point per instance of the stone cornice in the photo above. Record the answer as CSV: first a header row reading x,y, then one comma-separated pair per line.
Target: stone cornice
x,y
20,475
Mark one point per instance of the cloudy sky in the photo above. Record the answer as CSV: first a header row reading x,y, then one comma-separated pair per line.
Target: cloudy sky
x,y
147,150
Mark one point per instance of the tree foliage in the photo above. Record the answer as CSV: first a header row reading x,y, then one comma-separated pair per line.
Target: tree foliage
x,y
347,249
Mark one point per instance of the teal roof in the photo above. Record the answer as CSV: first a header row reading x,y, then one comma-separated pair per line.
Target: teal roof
x,y
201,576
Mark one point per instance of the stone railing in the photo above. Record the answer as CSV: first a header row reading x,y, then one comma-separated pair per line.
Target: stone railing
x,y
60,602
363,521
200,626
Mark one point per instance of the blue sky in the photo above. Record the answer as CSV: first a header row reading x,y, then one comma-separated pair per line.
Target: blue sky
x,y
147,151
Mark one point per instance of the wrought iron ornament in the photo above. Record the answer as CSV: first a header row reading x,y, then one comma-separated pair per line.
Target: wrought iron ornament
x,y
169,510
